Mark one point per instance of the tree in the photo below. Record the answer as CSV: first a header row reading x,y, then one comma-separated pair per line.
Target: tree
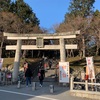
x,y
78,18
24,12
8,23
95,26
82,8
18,17
5,5
28,17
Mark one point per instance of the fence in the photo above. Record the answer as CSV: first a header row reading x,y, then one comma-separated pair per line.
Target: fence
x,y
5,78
86,84
94,93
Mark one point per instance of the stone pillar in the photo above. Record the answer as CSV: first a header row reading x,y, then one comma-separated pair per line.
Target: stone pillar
x,y
86,85
71,83
62,50
16,61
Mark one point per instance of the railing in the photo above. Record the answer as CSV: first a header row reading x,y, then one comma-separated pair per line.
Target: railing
x,y
86,84
5,78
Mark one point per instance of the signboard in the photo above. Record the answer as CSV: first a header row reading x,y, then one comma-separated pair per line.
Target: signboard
x,y
64,72
39,42
90,68
1,62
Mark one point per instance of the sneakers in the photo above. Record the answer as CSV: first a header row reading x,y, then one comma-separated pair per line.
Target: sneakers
x,y
28,85
40,85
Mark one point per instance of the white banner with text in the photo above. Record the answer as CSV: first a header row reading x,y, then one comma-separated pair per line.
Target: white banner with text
x,y
64,72
90,67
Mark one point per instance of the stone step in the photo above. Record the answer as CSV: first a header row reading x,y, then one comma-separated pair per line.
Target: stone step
x,y
49,76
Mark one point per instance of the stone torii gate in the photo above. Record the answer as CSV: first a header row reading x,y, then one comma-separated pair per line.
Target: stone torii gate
x,y
39,45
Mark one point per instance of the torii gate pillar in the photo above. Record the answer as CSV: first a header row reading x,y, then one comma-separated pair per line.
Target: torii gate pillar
x,y
17,61
62,50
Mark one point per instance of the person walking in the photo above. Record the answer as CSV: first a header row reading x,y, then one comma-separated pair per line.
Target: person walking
x,y
28,74
50,64
41,75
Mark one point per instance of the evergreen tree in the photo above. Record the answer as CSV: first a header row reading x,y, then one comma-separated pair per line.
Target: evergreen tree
x,y
24,11
82,8
5,5
16,17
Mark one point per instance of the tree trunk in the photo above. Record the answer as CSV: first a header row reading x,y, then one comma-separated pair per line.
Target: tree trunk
x,y
1,48
80,54
71,53
68,53
24,54
32,53
97,49
38,53
83,42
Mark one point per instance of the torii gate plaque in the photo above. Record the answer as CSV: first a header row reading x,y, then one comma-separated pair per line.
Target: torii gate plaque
x,y
39,45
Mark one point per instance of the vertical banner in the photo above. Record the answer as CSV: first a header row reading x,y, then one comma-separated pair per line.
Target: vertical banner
x,y
1,62
64,72
90,68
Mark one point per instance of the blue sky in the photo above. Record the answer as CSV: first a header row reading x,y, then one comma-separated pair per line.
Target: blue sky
x,y
51,12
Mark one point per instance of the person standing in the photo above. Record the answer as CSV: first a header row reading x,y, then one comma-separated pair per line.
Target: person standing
x,y
28,74
41,75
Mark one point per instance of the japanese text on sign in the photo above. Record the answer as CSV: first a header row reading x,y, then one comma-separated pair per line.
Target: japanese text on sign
x,y
64,72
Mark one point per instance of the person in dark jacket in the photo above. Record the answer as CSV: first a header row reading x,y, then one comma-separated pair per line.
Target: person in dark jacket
x,y
50,64
28,75
41,75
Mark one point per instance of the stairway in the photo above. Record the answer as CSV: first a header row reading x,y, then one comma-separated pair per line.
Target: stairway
x,y
49,76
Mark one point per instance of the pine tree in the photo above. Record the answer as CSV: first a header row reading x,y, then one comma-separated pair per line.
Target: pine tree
x,y
5,5
24,11
82,8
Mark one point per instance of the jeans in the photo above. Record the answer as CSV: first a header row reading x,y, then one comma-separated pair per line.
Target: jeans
x,y
41,82
28,80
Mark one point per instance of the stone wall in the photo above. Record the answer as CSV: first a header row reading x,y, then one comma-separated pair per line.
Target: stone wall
x,y
86,94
